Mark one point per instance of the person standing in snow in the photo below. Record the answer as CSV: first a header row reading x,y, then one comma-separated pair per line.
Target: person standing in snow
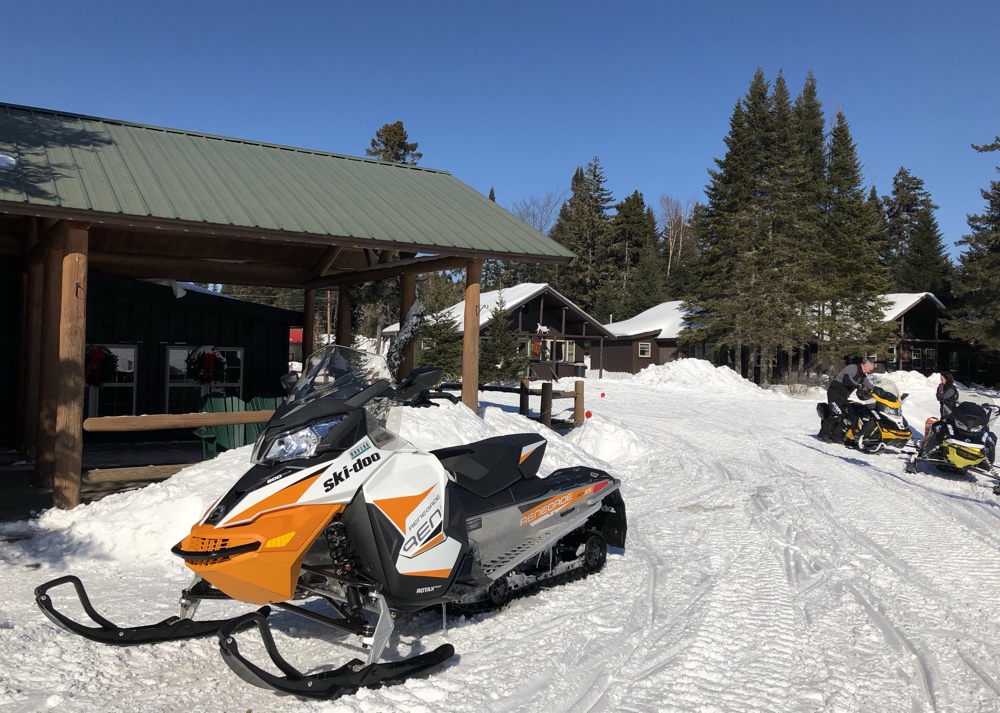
x,y
851,377
947,394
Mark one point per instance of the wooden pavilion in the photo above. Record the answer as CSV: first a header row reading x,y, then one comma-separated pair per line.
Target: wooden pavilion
x,y
80,193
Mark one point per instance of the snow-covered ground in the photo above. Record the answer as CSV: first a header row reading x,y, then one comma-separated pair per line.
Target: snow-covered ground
x,y
765,571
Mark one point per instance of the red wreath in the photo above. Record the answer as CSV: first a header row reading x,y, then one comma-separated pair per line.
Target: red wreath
x,y
101,366
206,366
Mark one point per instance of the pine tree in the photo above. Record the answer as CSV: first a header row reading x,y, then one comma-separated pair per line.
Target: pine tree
x,y
648,285
502,357
914,252
850,316
633,228
977,319
441,345
583,226
391,143
755,277
492,196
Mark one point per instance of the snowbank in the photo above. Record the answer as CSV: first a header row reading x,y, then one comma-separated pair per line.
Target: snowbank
x,y
697,375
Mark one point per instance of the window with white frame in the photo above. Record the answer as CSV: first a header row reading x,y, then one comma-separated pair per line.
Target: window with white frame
x,y
184,393
645,349
916,358
110,375
930,358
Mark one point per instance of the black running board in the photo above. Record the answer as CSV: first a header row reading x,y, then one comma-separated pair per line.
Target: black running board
x,y
327,684
171,629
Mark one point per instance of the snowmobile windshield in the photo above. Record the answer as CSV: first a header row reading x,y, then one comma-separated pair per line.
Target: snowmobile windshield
x,y
338,372
886,384
970,418
981,400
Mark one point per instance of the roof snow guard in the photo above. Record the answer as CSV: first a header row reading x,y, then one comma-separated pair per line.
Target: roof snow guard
x,y
111,172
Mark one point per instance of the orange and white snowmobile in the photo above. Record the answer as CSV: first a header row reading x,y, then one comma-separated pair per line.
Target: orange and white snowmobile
x,y
337,506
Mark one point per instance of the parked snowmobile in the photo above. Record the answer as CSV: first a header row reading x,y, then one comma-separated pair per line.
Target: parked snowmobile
x,y
963,442
885,406
338,506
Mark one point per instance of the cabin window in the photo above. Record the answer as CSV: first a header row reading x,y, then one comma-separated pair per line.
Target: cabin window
x,y
645,349
109,373
916,359
184,393
930,358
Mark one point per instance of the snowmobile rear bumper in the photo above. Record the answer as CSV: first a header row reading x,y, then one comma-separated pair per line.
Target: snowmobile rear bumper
x,y
170,629
326,684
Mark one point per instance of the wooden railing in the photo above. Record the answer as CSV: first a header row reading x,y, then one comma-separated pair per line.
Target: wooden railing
x,y
166,421
158,422
547,394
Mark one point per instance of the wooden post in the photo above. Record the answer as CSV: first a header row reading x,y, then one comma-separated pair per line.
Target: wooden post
x,y
407,297
524,402
578,412
308,324
33,349
48,384
545,410
72,345
600,373
470,336
344,336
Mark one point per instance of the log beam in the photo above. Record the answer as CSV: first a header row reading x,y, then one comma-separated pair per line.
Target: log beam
x,y
72,345
470,335
385,271
407,298
308,324
176,268
344,336
48,389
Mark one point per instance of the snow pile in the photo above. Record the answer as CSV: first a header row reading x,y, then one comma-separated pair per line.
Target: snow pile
x,y
696,375
913,382
139,525
608,440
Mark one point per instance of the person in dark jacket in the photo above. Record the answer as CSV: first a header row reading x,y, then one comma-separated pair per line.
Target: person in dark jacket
x,y
947,393
851,377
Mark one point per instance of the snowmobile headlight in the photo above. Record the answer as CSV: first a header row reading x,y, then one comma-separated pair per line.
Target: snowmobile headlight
x,y
891,411
301,443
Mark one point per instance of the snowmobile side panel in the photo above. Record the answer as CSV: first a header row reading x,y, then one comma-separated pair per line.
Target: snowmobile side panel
x,y
269,573
418,529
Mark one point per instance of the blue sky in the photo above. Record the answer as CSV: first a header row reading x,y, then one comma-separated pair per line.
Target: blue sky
x,y
516,95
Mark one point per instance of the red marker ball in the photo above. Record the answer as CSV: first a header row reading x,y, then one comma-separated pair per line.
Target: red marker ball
x,y
602,394
588,414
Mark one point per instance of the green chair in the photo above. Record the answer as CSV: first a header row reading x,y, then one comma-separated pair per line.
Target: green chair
x,y
215,439
260,403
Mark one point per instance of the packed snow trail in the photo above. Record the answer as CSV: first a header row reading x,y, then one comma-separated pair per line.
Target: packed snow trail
x,y
765,571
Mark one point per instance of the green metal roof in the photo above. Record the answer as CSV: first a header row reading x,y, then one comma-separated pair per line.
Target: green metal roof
x,y
116,171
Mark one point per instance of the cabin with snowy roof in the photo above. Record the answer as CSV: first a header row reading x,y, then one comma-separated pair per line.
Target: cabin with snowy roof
x,y
651,338
557,333
646,339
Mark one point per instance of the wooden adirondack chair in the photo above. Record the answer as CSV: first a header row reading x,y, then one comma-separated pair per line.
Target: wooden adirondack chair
x,y
215,439
260,403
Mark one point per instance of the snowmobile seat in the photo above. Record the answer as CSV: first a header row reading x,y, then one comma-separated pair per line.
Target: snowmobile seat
x,y
487,467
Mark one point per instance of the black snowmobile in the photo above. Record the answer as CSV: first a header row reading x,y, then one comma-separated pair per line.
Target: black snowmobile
x,y
338,506
884,406
962,443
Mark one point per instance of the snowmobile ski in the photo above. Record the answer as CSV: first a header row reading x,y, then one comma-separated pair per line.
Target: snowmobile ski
x,y
326,684
173,628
